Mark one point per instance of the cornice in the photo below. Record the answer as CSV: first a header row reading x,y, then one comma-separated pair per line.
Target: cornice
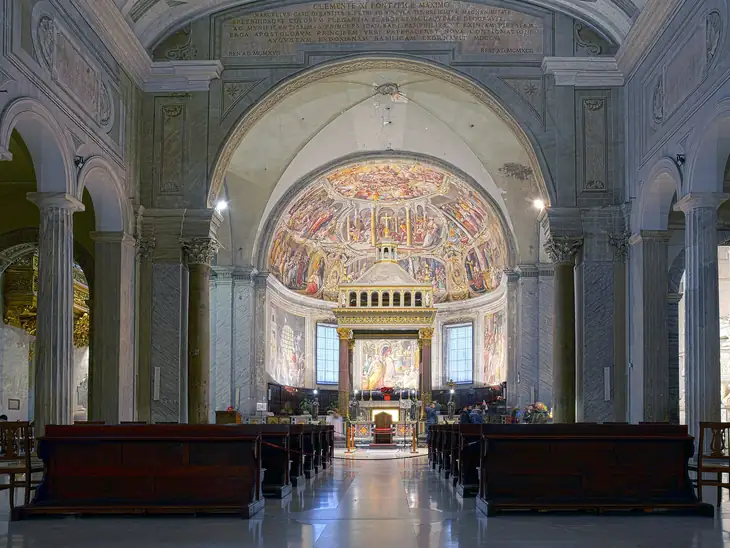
x,y
151,77
644,33
584,71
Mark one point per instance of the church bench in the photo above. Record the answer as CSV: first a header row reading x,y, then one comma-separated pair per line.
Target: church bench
x,y
275,457
586,467
308,449
466,457
447,433
325,439
146,469
296,446
435,445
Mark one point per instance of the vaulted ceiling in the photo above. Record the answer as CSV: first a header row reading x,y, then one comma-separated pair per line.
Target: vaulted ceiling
x,y
151,20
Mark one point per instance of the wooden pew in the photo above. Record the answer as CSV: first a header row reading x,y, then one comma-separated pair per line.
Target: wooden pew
x,y
436,430
145,469
330,429
586,467
446,437
274,457
325,438
468,450
296,446
317,448
309,454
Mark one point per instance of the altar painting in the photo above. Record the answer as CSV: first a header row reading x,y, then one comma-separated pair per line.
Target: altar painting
x,y
287,342
495,355
448,234
388,363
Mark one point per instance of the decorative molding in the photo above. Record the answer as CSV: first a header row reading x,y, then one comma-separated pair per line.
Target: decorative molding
x,y
657,101
588,44
146,248
713,31
516,171
532,91
563,249
584,71
644,33
200,250
233,91
620,244
593,139
166,76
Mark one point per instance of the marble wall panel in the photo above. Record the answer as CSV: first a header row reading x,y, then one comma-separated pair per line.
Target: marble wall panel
x,y
242,347
545,326
14,371
528,380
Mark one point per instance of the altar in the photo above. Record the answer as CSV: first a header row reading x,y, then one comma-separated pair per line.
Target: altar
x,y
402,433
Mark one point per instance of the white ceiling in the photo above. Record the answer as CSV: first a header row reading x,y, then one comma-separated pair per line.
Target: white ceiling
x,y
151,20
339,116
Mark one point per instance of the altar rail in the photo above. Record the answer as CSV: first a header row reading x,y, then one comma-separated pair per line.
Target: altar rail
x,y
146,469
569,467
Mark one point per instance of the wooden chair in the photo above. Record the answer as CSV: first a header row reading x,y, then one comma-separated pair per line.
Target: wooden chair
x,y
713,458
17,457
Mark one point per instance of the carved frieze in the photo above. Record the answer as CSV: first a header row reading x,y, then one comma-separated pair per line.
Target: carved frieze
x,y
145,248
563,249
200,250
620,244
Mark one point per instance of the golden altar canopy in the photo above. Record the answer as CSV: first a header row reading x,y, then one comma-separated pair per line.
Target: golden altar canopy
x,y
386,296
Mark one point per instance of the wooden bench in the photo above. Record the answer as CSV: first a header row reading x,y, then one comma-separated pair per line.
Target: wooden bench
x,y
146,469
275,457
466,459
586,467
296,446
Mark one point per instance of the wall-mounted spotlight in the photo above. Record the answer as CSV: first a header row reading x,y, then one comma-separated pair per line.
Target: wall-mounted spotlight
x,y
221,206
538,204
681,159
79,161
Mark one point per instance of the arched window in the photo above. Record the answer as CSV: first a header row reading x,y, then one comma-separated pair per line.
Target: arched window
x,y
386,299
363,298
374,300
353,298
419,298
407,299
396,299
328,353
459,352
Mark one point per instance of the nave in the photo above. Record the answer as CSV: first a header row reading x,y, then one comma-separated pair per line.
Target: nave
x,y
361,504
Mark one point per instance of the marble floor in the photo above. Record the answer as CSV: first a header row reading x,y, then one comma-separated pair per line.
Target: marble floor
x,y
358,504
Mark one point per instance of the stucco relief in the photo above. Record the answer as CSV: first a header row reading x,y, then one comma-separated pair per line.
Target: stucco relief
x,y
713,27
448,235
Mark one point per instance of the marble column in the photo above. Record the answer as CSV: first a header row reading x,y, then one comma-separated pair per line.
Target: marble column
x,y
54,336
562,251
221,362
673,349
425,337
343,400
145,379
546,303
702,310
649,375
260,324
526,377
619,390
113,378
199,255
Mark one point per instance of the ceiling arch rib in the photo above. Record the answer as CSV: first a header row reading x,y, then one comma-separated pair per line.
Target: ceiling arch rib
x,y
152,20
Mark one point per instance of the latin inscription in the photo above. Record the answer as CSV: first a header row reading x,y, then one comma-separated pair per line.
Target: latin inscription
x,y
478,28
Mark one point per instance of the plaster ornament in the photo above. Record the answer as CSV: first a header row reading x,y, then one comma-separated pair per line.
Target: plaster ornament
x,y
563,249
200,250
105,107
714,33
658,101
145,248
47,40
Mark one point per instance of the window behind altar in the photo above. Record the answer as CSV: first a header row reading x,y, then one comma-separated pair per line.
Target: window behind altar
x,y
385,362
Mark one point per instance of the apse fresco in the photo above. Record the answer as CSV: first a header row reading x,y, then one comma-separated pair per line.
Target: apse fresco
x,y
448,234
287,341
495,354
390,363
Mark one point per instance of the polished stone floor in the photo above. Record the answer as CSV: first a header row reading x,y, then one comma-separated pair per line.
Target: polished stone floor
x,y
373,504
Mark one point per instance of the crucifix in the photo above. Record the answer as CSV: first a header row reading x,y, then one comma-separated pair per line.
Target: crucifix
x,y
386,219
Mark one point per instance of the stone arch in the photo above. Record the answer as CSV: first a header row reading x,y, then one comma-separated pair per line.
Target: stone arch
x,y
45,139
358,63
266,233
657,196
709,157
111,210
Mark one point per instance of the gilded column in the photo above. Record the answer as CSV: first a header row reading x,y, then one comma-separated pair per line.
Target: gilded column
x,y
702,312
425,336
344,377
54,336
562,251
199,254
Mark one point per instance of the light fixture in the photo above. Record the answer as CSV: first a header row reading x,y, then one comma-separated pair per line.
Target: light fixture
x,y
538,204
452,390
316,392
222,205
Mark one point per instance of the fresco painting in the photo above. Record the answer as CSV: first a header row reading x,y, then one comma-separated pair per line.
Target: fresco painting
x,y
448,234
287,342
495,355
391,363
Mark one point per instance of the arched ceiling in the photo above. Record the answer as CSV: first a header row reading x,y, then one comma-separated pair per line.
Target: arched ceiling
x,y
348,115
449,235
151,20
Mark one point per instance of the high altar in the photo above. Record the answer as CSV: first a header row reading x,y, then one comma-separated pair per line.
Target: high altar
x,y
385,323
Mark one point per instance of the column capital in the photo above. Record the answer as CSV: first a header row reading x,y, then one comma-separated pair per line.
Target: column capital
x,y
563,249
344,333
620,244
701,200
426,333
200,250
146,248
260,279
513,276
57,200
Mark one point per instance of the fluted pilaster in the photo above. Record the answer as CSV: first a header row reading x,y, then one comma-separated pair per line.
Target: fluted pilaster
x,y
650,373
54,338
702,311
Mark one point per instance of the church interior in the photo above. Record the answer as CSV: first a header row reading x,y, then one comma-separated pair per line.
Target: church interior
x,y
445,272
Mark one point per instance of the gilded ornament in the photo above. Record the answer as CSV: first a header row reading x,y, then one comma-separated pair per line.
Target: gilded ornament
x,y
81,331
344,333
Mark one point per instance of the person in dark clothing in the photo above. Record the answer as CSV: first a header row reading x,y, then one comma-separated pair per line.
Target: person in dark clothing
x,y
476,416
431,418
464,416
